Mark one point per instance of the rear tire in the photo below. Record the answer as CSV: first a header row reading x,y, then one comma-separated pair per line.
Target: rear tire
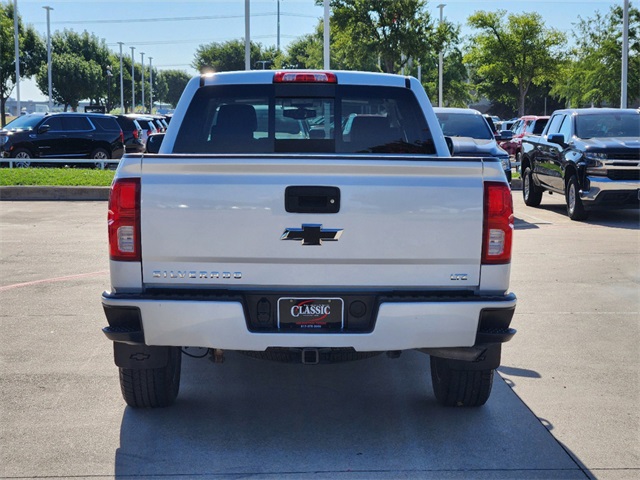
x,y
100,154
575,208
152,387
460,388
531,193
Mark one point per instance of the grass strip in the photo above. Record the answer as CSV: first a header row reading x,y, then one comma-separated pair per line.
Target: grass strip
x,y
71,177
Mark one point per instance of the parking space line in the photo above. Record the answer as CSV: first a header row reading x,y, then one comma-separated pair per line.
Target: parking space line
x,y
52,280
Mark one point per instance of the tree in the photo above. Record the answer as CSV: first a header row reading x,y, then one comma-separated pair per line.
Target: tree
x,y
388,32
72,79
224,57
456,91
514,50
32,54
306,51
160,86
175,81
92,57
592,76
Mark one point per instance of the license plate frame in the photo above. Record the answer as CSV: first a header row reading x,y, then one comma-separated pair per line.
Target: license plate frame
x,y
310,314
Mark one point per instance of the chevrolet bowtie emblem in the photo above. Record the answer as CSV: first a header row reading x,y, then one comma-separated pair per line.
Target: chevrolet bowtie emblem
x,y
311,234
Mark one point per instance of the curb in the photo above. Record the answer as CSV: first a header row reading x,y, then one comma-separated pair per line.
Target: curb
x,y
31,193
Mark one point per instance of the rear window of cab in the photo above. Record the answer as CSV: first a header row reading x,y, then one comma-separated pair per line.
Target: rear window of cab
x,y
304,119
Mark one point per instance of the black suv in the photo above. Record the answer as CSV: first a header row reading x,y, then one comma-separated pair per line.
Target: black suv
x,y
62,135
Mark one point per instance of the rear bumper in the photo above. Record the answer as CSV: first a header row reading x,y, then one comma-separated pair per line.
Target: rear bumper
x,y
399,325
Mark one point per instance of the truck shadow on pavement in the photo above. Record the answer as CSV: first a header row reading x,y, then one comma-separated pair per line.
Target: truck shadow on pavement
x,y
624,218
521,224
378,417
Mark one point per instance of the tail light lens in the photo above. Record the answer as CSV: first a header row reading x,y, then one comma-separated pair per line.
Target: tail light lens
x,y
124,220
149,132
498,224
136,134
121,137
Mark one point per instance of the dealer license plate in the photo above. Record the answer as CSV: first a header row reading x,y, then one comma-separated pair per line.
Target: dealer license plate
x,y
310,314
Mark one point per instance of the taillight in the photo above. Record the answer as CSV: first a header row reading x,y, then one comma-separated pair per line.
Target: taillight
x,y
121,137
149,132
304,77
136,134
498,223
124,220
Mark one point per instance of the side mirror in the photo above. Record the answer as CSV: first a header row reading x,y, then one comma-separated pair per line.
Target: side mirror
x,y
557,138
44,128
154,141
449,142
504,135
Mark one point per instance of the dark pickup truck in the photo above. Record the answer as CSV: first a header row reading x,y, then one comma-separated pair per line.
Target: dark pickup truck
x,y
591,156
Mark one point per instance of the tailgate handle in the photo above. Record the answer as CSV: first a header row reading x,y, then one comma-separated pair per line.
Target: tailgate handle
x,y
312,199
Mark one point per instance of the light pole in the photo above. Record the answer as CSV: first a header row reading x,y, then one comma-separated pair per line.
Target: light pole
x,y
326,39
142,81
109,75
133,82
48,9
17,52
441,6
121,82
625,54
278,45
150,84
247,35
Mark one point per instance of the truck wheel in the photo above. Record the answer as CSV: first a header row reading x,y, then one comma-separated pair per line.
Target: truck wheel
x,y
152,387
575,208
460,388
531,193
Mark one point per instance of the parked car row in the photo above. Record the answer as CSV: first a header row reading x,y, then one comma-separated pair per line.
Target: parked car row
x,y
77,135
473,134
524,126
137,128
62,135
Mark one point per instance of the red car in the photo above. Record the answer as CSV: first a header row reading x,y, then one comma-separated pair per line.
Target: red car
x,y
527,125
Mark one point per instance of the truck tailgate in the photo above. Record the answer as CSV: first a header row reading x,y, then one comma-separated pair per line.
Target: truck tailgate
x,y
221,221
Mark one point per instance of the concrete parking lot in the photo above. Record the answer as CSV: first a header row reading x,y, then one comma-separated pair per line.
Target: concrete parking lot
x,y
565,404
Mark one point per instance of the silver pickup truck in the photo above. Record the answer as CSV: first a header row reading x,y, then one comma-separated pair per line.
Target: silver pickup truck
x,y
310,217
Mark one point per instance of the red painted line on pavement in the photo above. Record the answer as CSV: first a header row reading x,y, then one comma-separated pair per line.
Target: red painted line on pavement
x,y
51,280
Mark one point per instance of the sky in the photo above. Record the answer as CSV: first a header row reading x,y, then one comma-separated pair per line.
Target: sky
x,y
170,31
